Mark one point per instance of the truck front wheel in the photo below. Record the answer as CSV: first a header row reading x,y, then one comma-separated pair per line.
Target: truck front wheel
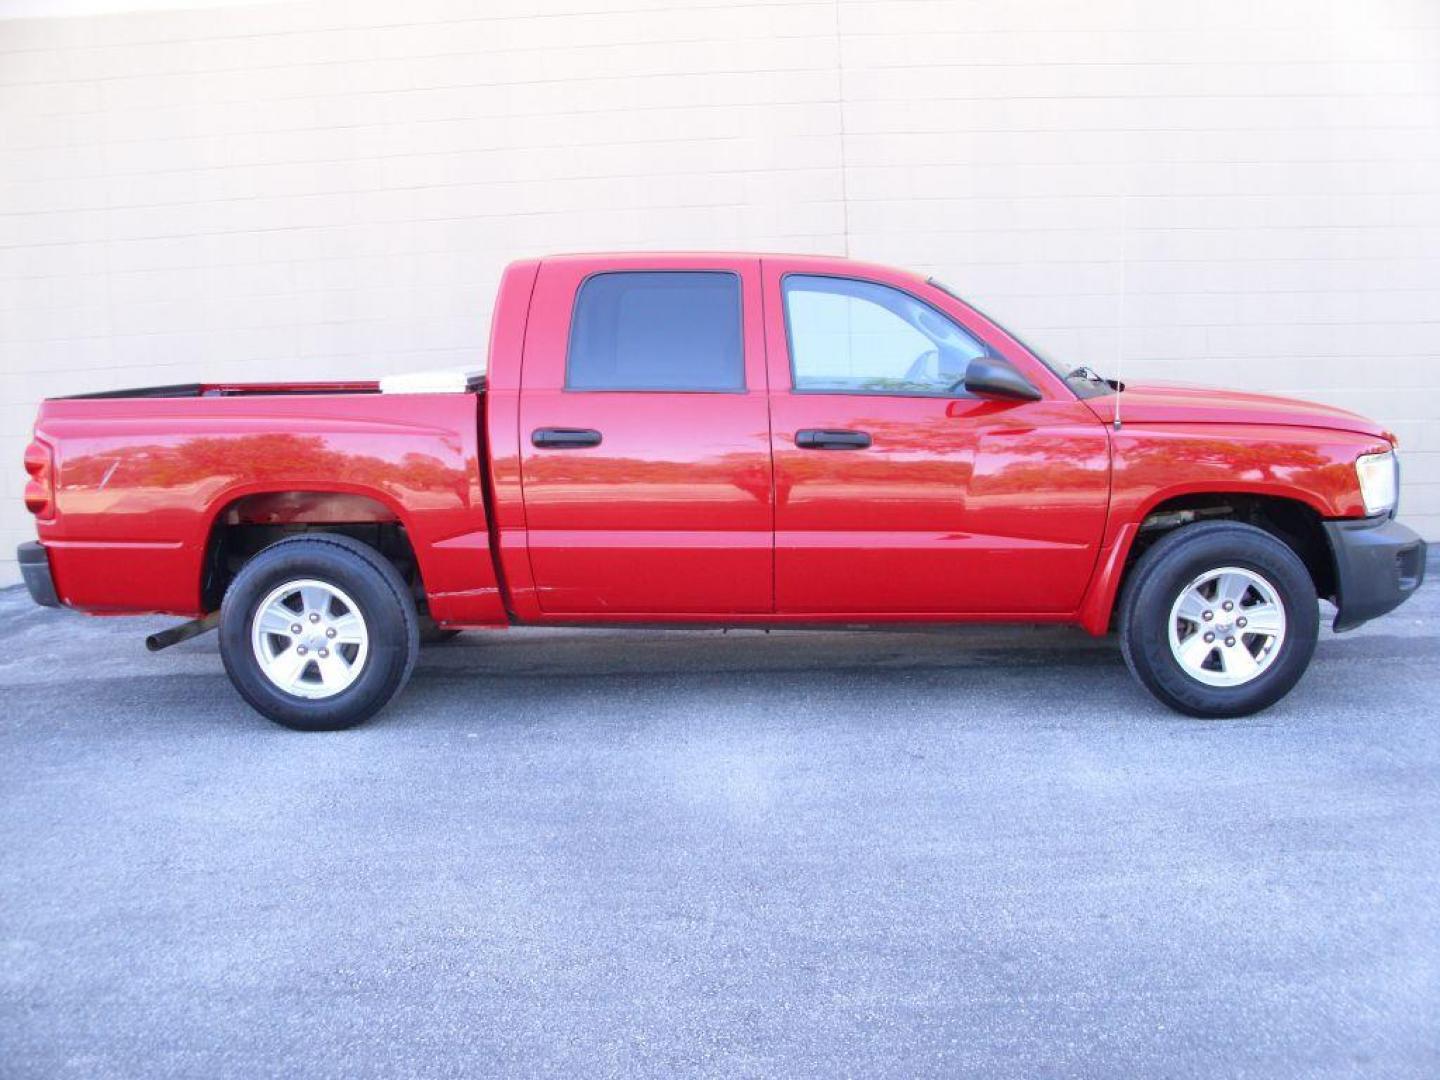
x,y
1219,619
318,632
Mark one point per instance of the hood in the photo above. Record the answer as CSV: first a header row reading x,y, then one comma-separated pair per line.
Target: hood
x,y
1178,403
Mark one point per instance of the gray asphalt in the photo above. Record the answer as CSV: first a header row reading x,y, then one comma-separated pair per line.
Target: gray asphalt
x,y
586,853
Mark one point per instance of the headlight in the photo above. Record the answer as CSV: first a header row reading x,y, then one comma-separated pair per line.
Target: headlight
x,y
1379,481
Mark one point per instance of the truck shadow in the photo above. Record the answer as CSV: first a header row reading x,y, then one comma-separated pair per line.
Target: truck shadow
x,y
575,653
523,675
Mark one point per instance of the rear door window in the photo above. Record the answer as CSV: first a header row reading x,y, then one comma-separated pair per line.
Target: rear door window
x,y
657,330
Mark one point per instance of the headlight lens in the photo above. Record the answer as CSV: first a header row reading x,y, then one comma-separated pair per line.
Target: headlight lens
x,y
1379,481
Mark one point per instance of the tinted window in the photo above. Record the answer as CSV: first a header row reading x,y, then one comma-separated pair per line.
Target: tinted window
x,y
857,337
650,330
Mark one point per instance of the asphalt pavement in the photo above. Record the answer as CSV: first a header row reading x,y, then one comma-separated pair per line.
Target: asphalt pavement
x,y
695,854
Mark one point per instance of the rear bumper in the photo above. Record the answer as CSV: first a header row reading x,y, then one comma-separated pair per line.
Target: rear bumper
x,y
35,569
1378,564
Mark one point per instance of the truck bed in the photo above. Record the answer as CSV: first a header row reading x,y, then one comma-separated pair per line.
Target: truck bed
x,y
142,477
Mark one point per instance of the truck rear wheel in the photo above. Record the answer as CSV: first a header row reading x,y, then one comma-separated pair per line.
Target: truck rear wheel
x,y
1219,620
318,632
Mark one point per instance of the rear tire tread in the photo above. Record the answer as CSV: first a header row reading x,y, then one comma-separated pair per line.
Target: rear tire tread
x,y
320,715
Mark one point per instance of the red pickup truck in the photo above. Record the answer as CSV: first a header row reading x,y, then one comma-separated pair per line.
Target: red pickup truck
x,y
727,440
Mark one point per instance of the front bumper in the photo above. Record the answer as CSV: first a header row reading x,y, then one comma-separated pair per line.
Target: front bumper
x,y
1378,564
35,569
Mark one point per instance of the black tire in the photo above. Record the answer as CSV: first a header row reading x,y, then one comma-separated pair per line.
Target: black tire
x,y
1158,579
376,587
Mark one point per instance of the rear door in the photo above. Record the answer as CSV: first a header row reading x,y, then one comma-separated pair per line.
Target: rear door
x,y
645,438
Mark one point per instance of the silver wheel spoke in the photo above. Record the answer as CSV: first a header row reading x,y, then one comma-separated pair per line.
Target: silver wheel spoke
x,y
1267,619
285,669
1193,606
348,629
334,672
1195,650
277,619
1232,587
1238,662
316,598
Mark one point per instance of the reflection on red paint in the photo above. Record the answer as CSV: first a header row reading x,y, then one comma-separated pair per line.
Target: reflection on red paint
x,y
694,506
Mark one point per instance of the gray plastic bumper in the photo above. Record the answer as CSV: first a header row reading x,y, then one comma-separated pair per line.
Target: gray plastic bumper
x,y
1378,564
35,569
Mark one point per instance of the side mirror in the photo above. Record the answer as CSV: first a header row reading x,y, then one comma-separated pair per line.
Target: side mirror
x,y
992,377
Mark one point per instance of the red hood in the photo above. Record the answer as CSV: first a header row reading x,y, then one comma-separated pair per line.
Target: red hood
x,y
1177,403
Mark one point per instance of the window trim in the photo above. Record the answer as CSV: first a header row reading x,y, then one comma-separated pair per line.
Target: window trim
x,y
944,395
743,388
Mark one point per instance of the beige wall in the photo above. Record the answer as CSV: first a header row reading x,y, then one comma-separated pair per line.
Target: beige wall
x,y
325,189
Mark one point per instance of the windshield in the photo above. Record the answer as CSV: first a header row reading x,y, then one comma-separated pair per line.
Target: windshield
x,y
1082,380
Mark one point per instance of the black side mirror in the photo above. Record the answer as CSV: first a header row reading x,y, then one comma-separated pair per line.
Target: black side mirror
x,y
992,377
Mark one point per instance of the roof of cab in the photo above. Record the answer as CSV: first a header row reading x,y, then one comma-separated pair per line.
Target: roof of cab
x,y
668,259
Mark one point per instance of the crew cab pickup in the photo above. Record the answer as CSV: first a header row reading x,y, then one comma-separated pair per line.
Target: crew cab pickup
x,y
727,440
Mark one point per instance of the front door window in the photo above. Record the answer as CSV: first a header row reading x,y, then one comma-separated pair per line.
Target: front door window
x,y
860,337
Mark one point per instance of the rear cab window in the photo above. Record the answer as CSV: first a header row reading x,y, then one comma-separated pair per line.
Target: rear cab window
x,y
671,330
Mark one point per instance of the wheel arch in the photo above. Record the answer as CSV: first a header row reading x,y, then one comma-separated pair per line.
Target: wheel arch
x,y
1294,518
243,522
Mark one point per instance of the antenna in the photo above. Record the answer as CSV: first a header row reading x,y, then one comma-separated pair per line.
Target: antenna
x,y
1124,292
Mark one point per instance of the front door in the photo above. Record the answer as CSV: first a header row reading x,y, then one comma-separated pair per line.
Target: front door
x,y
645,438
897,492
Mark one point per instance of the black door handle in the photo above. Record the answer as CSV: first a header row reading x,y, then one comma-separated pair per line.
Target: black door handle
x,y
565,438
818,439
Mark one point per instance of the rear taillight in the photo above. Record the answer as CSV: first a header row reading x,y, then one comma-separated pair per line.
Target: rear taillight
x,y
40,489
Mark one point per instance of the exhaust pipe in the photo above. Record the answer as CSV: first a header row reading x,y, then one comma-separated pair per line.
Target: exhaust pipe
x,y
184,632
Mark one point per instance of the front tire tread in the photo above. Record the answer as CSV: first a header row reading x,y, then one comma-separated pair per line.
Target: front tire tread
x,y
1179,557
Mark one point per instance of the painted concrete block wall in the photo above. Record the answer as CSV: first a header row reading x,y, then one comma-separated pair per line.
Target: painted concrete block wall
x,y
1235,192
